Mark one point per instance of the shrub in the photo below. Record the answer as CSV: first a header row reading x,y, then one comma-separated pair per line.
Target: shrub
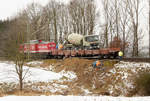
x,y
142,82
7,87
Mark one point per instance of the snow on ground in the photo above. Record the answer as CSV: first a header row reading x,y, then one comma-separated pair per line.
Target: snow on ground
x,y
33,77
72,98
36,77
35,62
132,65
124,75
67,74
39,75
7,74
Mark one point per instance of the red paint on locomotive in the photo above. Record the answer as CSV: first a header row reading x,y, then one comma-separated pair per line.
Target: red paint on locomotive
x,y
39,47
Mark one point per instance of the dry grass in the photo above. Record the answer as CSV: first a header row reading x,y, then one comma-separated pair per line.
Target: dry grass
x,y
22,93
50,62
142,82
25,93
87,77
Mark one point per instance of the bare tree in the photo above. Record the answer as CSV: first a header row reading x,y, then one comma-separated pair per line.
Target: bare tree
x,y
118,22
3,30
13,53
78,16
133,11
114,10
124,25
52,13
63,22
149,28
83,16
111,21
35,20
19,58
105,4
12,47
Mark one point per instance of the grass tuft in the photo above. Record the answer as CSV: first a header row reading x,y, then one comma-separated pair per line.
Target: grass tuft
x,y
142,82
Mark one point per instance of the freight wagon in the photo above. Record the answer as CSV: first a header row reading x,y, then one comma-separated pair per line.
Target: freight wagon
x,y
49,50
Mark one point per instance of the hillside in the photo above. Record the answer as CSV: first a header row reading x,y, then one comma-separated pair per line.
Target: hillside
x,y
74,76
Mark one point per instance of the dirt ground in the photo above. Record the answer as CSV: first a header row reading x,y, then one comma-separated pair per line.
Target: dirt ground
x,y
89,81
88,77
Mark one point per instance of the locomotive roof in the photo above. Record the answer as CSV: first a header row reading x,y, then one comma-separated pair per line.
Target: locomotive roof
x,y
37,42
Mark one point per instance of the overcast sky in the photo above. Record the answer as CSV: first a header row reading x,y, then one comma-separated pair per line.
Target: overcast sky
x,y
9,8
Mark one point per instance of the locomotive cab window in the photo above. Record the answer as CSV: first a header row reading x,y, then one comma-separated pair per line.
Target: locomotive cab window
x,y
92,38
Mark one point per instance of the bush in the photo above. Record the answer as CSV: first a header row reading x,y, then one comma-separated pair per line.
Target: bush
x,y
7,87
142,82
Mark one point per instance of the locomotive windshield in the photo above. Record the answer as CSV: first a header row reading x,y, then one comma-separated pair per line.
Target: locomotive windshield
x,y
92,38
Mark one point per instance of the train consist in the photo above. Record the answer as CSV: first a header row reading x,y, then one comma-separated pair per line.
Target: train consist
x,y
75,45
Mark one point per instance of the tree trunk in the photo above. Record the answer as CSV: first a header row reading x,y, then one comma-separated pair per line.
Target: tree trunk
x,y
149,28
20,81
106,36
135,42
123,41
55,26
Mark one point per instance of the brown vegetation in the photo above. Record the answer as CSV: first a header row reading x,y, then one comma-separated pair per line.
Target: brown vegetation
x,y
87,75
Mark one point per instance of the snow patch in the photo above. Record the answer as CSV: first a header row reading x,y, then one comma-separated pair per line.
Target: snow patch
x,y
123,72
72,98
8,74
69,74
35,63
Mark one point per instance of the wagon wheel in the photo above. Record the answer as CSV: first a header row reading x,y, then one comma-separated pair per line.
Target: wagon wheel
x,y
106,56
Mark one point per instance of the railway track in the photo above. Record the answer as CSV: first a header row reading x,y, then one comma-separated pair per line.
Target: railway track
x,y
137,59
99,58
123,59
